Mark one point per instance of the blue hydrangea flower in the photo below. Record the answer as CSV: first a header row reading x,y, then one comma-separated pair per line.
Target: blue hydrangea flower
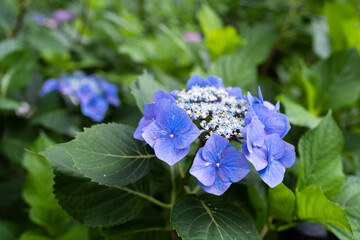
x,y
269,154
149,113
93,94
235,91
171,133
218,164
197,80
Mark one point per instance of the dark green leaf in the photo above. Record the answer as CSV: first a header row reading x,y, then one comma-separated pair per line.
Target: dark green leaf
x,y
9,46
194,218
320,153
8,230
257,194
8,104
108,154
281,203
313,206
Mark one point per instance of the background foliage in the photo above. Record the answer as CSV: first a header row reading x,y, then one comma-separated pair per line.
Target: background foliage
x,y
303,53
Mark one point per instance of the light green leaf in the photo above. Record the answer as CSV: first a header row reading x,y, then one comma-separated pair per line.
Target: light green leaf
x,y
320,153
143,90
338,79
97,205
194,218
281,203
349,199
297,114
236,70
208,18
108,154
34,234
137,230
221,41
313,206
9,46
8,104
320,37
38,190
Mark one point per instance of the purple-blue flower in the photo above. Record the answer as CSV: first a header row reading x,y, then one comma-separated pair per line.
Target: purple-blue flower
x,y
192,37
197,80
62,15
149,113
171,133
218,164
93,94
269,154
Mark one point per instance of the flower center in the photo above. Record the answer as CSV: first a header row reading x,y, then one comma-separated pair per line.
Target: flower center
x,y
218,112
171,135
217,164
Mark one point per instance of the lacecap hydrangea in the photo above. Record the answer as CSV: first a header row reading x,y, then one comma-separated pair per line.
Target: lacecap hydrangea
x,y
92,93
216,115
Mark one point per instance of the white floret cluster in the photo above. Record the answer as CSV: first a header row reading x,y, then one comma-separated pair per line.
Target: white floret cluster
x,y
218,112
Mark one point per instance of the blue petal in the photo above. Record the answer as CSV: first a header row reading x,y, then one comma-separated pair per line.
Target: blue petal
x,y
140,129
218,188
49,86
213,147
233,165
262,112
289,156
95,108
149,111
215,81
85,93
110,92
234,91
172,118
255,134
273,174
165,150
185,139
257,157
196,80
275,146
277,123
160,94
260,95
153,132
203,170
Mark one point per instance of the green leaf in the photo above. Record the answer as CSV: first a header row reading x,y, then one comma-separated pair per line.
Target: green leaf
x,y
8,230
34,234
281,203
38,190
313,206
337,79
8,104
343,20
297,114
257,194
108,154
236,70
60,121
320,153
143,90
221,41
208,18
139,230
96,205
9,46
257,42
194,218
349,199
320,37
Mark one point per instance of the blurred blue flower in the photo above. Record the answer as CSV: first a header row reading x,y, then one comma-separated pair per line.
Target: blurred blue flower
x,y
218,164
197,80
149,114
171,133
235,91
93,94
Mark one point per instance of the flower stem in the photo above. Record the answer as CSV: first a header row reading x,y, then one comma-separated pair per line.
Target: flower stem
x,y
173,185
196,189
181,170
147,197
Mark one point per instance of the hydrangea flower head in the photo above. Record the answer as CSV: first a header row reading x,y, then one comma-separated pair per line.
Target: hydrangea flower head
x,y
220,115
93,94
218,164
171,133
